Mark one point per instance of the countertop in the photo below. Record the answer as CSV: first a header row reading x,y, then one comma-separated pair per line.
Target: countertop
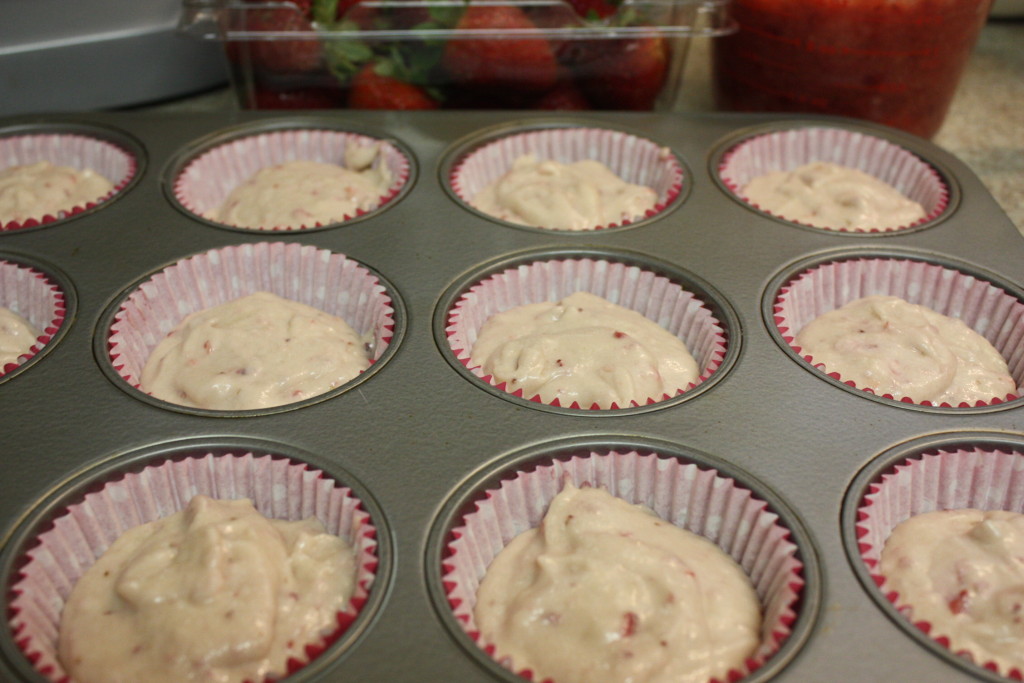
x,y
985,126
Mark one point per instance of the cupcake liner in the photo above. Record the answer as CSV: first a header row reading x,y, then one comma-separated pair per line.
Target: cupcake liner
x,y
654,296
786,150
325,280
80,152
946,479
699,500
33,296
990,311
634,159
206,181
81,532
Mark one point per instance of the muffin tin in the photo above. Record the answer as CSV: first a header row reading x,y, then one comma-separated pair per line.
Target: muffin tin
x,y
420,438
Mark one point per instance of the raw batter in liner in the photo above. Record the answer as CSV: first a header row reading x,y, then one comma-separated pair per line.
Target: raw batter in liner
x,y
891,346
307,193
548,194
833,197
43,189
604,591
16,336
585,350
962,571
214,593
254,352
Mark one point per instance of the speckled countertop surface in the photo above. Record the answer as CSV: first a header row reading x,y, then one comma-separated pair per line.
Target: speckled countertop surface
x,y
985,126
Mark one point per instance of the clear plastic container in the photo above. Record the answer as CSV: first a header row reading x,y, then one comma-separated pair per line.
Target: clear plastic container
x,y
450,54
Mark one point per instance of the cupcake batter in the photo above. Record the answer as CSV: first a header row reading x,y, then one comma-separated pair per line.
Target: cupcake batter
x,y
16,336
577,196
833,197
894,347
307,193
216,592
34,191
962,572
584,350
604,591
254,352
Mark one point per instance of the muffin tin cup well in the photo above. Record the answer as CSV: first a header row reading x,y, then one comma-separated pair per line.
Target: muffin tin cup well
x,y
64,534
689,489
678,301
486,156
43,296
137,321
893,158
988,304
200,179
113,154
957,470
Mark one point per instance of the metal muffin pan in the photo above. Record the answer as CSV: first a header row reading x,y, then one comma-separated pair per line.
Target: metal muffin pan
x,y
560,455
416,433
208,478
717,313
974,449
568,142
113,141
268,143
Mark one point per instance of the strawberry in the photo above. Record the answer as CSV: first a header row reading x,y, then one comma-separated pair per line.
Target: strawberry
x,y
327,13
564,97
619,73
372,90
281,55
525,64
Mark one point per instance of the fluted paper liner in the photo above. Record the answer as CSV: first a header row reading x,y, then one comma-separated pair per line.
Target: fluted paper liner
x,y
957,478
207,180
32,295
697,499
786,150
325,280
987,309
279,488
634,159
654,296
78,151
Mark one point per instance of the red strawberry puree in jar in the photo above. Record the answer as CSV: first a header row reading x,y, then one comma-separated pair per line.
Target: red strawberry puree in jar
x,y
895,62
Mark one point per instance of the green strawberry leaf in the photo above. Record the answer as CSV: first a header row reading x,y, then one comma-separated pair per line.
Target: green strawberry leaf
x,y
346,57
445,16
324,12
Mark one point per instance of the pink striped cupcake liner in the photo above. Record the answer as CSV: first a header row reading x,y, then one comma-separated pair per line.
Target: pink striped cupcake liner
x,y
81,532
656,297
325,280
205,182
786,150
984,477
79,151
35,297
695,498
634,159
989,310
